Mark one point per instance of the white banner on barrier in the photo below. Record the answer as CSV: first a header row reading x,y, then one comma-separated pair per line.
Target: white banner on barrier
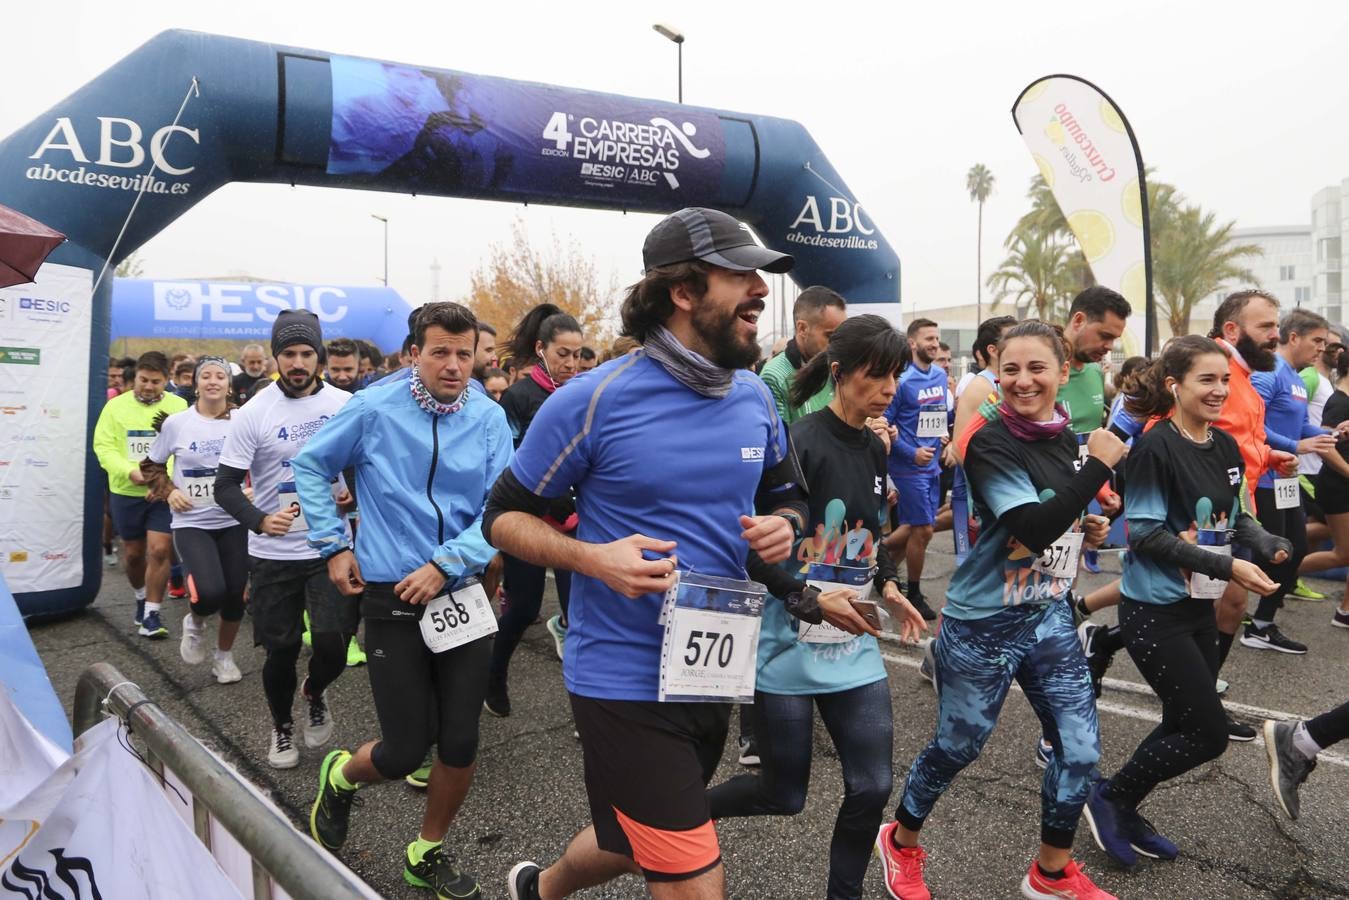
x,y
44,370
98,826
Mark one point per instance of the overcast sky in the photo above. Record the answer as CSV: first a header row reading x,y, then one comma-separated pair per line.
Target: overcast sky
x,y
1242,105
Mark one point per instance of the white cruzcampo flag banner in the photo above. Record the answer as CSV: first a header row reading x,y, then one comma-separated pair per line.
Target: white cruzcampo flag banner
x,y
1087,153
92,826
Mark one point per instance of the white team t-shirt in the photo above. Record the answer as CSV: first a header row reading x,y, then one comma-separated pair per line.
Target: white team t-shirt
x,y
1310,463
194,442
266,433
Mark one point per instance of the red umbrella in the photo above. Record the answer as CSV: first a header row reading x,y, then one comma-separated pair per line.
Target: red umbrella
x,y
24,244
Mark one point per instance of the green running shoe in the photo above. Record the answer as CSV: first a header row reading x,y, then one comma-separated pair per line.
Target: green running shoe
x,y
355,655
420,778
332,807
439,873
1302,592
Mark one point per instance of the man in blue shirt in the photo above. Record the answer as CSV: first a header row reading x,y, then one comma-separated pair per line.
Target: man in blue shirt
x,y
919,412
1278,502
426,451
675,452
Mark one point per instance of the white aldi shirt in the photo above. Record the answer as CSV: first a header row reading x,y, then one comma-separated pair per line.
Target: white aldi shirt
x,y
266,433
194,442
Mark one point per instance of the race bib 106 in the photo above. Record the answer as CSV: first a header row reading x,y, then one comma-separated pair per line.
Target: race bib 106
x,y
138,444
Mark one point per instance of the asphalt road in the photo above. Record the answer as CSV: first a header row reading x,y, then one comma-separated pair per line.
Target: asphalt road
x,y
528,799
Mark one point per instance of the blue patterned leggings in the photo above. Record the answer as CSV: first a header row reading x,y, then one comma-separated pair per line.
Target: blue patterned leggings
x,y
977,660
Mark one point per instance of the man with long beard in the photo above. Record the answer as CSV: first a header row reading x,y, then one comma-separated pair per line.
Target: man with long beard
x,y
1246,325
671,446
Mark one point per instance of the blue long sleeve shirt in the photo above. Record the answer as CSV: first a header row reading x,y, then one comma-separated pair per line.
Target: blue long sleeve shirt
x,y
1286,420
424,482
919,391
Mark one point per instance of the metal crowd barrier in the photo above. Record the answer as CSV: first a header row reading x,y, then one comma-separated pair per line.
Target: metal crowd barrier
x,y
279,853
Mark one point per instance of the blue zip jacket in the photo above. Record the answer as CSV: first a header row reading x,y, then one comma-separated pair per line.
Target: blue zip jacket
x,y
1286,420
424,482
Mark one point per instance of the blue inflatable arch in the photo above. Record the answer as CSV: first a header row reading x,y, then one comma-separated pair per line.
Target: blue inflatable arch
x,y
121,158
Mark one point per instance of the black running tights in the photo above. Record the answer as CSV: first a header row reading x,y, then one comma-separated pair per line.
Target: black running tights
x,y
278,672
1175,647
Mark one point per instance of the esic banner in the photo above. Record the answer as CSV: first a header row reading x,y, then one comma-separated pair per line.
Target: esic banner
x,y
1088,156
237,311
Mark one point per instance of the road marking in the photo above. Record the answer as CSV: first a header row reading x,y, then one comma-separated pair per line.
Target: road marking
x,y
1146,715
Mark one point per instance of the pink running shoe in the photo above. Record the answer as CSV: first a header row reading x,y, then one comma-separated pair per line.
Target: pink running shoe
x,y
1074,884
903,869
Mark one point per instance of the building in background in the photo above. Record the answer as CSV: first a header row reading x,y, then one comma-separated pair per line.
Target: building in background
x,y
1328,225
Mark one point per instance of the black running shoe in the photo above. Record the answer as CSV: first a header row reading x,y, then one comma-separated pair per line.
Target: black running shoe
x,y
1270,638
1239,731
439,873
332,807
920,604
497,702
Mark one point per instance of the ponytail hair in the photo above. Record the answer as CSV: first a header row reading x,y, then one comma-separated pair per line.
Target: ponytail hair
x,y
1145,391
862,342
542,323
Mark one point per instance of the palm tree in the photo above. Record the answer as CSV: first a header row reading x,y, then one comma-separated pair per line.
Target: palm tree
x,y
979,182
1046,221
1192,257
1037,274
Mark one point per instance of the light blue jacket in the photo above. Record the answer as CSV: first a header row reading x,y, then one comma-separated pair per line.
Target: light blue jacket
x,y
423,482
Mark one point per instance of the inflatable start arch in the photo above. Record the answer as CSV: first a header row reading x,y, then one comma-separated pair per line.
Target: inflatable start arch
x,y
128,153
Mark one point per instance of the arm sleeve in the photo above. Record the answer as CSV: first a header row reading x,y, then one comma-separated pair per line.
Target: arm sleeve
x,y
1262,543
779,583
468,552
229,493
886,570
332,449
1150,538
509,495
111,455
1037,525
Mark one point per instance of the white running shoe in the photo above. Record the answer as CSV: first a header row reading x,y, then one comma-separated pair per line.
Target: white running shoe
x,y
283,754
192,648
319,729
225,670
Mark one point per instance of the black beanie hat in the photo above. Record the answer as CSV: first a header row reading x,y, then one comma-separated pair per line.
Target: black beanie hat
x,y
296,326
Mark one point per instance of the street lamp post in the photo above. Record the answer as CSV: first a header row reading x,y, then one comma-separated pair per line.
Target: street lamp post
x,y
385,221
674,34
